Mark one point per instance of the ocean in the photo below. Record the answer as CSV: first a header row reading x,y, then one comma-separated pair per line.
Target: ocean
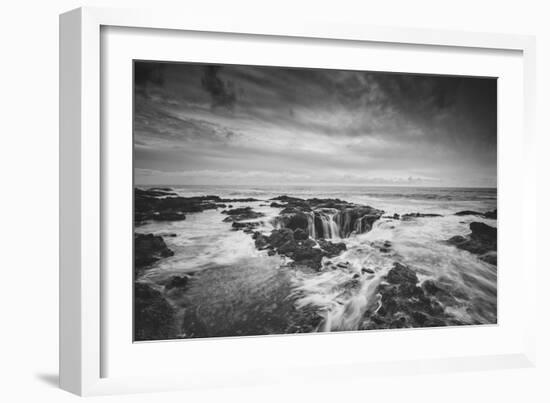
x,y
238,290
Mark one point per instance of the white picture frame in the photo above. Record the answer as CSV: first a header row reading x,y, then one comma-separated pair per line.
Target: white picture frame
x,y
83,173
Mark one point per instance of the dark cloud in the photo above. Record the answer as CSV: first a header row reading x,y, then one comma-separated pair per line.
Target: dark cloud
x,y
148,73
222,92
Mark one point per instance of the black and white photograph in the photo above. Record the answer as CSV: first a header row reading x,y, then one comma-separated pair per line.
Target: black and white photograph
x,y
283,200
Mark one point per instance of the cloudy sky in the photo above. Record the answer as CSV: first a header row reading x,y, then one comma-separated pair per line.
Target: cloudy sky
x,y
210,124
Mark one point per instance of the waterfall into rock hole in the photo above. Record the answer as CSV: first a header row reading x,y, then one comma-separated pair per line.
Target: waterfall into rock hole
x,y
311,225
330,229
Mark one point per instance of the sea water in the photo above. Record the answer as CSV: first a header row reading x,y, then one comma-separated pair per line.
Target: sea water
x,y
239,290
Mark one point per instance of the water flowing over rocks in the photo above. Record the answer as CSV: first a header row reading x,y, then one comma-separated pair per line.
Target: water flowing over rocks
x,y
481,241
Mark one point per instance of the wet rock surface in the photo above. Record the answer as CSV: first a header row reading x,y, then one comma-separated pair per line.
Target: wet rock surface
x,y
488,214
154,317
303,251
403,303
481,241
148,249
163,204
157,205
382,246
241,214
176,282
247,227
409,216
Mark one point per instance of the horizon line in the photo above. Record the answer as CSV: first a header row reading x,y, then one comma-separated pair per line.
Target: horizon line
x,y
318,185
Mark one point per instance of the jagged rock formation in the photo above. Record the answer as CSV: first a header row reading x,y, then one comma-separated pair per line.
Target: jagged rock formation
x,y
154,317
304,252
162,204
326,218
149,248
481,241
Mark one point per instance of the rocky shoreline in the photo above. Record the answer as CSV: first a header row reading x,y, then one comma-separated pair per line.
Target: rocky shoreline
x,y
302,229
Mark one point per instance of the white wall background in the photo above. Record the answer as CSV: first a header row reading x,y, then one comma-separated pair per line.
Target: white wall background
x,y
29,201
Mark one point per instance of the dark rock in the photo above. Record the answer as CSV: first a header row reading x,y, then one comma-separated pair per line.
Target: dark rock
x,y
408,216
430,287
245,200
331,249
382,246
481,241
300,234
308,257
149,248
366,270
469,212
176,282
154,317
162,190
287,199
247,227
401,274
483,231
293,218
283,242
280,237
297,220
238,211
489,257
488,214
260,241
162,206
241,214
403,303
277,205
167,216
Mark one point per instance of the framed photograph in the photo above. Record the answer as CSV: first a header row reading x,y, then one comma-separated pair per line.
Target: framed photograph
x,y
247,201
